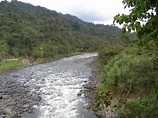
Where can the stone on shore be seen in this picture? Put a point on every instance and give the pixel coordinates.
(15, 99)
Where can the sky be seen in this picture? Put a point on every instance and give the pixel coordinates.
(96, 11)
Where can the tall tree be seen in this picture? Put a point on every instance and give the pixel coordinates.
(143, 18)
(3, 49)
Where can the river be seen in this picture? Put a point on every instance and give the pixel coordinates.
(58, 83)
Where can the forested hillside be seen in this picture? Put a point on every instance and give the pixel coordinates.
(37, 32)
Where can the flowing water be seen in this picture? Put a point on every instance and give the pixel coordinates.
(58, 83)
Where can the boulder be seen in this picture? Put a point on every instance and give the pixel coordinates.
(79, 94)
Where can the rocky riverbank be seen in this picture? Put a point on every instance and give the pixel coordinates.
(15, 98)
(89, 92)
(90, 86)
(89, 89)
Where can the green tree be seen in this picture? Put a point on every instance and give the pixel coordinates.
(143, 18)
(3, 49)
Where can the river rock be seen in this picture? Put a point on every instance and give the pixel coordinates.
(15, 99)
(26, 105)
(2, 90)
(85, 81)
(8, 111)
(1, 96)
(5, 96)
(87, 107)
(79, 94)
(15, 76)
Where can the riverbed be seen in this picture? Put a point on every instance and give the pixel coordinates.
(56, 84)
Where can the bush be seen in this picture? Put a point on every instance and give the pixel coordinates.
(108, 52)
(131, 72)
(134, 80)
(140, 108)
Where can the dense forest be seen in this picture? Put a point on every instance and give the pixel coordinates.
(39, 33)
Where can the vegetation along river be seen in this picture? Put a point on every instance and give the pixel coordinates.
(57, 83)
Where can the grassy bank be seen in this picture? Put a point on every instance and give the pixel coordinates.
(4, 65)
(10, 64)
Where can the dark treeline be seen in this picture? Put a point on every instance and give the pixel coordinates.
(34, 31)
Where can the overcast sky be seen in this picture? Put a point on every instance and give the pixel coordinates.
(96, 11)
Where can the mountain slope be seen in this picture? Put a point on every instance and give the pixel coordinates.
(39, 32)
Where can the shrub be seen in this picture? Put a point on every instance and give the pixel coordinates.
(131, 72)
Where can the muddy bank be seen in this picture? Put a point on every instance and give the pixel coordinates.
(15, 97)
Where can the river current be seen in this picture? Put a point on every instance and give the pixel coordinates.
(58, 83)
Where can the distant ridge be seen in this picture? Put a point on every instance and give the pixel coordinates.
(39, 32)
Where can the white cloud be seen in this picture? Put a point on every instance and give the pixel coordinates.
(97, 11)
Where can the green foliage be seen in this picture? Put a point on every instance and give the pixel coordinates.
(107, 52)
(143, 19)
(131, 50)
(130, 74)
(41, 33)
(142, 108)
(39, 60)
(3, 49)
(9, 64)
(134, 73)
(102, 101)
